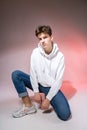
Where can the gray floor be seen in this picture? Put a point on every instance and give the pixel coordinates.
(42, 121)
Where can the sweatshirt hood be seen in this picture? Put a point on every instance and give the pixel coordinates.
(52, 54)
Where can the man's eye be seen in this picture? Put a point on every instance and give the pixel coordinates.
(45, 37)
(39, 38)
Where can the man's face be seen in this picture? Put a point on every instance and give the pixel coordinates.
(46, 42)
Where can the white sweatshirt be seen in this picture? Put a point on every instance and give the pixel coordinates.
(47, 69)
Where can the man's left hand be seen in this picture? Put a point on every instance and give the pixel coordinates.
(45, 104)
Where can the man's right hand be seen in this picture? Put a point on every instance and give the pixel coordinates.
(37, 97)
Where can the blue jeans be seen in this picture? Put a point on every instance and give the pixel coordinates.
(59, 103)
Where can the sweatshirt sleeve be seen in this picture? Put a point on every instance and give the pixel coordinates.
(33, 76)
(55, 86)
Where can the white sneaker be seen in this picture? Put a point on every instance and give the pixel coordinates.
(24, 111)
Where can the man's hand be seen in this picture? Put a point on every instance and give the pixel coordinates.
(37, 97)
(45, 104)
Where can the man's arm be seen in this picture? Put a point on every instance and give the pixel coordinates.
(55, 86)
(33, 76)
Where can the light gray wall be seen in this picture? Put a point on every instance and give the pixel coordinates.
(20, 17)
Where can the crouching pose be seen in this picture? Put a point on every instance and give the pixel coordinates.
(46, 75)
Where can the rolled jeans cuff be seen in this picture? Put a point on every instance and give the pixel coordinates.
(23, 94)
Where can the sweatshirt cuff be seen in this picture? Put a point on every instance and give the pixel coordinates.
(36, 90)
(49, 97)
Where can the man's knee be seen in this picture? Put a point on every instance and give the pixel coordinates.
(15, 74)
(65, 116)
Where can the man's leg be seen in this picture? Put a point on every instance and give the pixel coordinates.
(21, 80)
(59, 103)
(61, 106)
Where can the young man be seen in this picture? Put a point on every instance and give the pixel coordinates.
(46, 74)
